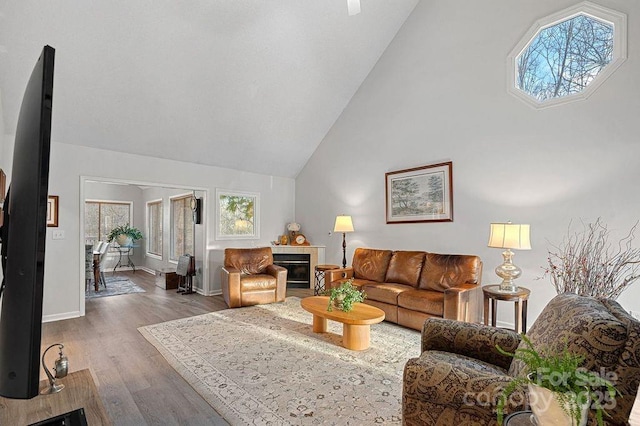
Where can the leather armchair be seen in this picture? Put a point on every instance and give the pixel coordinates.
(459, 375)
(249, 277)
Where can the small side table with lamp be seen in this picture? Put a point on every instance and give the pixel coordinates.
(492, 293)
(508, 236)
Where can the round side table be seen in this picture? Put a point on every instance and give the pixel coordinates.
(493, 293)
(318, 287)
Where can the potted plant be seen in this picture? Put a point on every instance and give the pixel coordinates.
(558, 387)
(124, 235)
(344, 296)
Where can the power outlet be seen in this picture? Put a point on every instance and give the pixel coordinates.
(58, 234)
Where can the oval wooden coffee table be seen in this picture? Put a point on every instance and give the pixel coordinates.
(355, 324)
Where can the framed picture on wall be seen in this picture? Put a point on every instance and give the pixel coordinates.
(52, 211)
(420, 194)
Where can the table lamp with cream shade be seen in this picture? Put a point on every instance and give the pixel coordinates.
(509, 236)
(343, 224)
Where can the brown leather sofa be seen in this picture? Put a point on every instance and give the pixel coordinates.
(460, 373)
(249, 277)
(411, 286)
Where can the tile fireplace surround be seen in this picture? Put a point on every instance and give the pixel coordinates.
(316, 256)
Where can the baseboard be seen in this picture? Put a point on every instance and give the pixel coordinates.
(211, 293)
(62, 316)
(147, 270)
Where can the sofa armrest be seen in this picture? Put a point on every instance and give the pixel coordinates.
(461, 302)
(332, 275)
(231, 287)
(280, 274)
(473, 340)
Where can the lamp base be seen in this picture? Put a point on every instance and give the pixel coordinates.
(53, 388)
(508, 272)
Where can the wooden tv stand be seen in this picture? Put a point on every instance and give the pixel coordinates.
(79, 392)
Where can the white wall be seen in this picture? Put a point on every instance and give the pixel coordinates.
(64, 275)
(439, 93)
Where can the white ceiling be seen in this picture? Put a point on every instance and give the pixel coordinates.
(246, 84)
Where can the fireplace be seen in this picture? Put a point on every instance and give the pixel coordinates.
(298, 268)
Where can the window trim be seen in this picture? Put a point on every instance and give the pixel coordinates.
(619, 55)
(185, 195)
(149, 253)
(256, 215)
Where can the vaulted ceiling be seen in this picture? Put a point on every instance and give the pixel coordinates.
(251, 85)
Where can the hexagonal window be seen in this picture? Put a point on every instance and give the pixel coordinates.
(566, 56)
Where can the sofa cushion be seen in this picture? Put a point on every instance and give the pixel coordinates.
(390, 311)
(425, 301)
(453, 379)
(443, 271)
(405, 267)
(385, 292)
(371, 264)
(359, 283)
(248, 260)
(585, 323)
(258, 282)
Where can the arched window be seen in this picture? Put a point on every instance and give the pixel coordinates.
(566, 56)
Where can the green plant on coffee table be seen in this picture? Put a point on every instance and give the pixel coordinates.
(346, 294)
(127, 230)
(562, 374)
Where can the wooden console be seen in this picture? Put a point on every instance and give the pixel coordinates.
(79, 392)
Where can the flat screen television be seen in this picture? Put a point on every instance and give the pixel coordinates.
(23, 237)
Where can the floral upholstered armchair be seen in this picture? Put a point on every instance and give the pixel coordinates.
(459, 375)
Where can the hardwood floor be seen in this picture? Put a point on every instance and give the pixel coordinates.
(135, 383)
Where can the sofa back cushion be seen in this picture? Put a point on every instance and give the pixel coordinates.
(443, 271)
(371, 264)
(627, 371)
(405, 267)
(248, 260)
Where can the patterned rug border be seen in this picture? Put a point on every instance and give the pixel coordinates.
(327, 344)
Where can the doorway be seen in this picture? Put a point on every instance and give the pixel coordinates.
(161, 212)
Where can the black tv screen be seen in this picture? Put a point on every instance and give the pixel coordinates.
(23, 237)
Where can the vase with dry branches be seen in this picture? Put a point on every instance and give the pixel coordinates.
(586, 263)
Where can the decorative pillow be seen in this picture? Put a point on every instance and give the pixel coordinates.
(248, 261)
(443, 271)
(405, 267)
(371, 264)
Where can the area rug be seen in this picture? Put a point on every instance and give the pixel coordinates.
(263, 365)
(115, 285)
